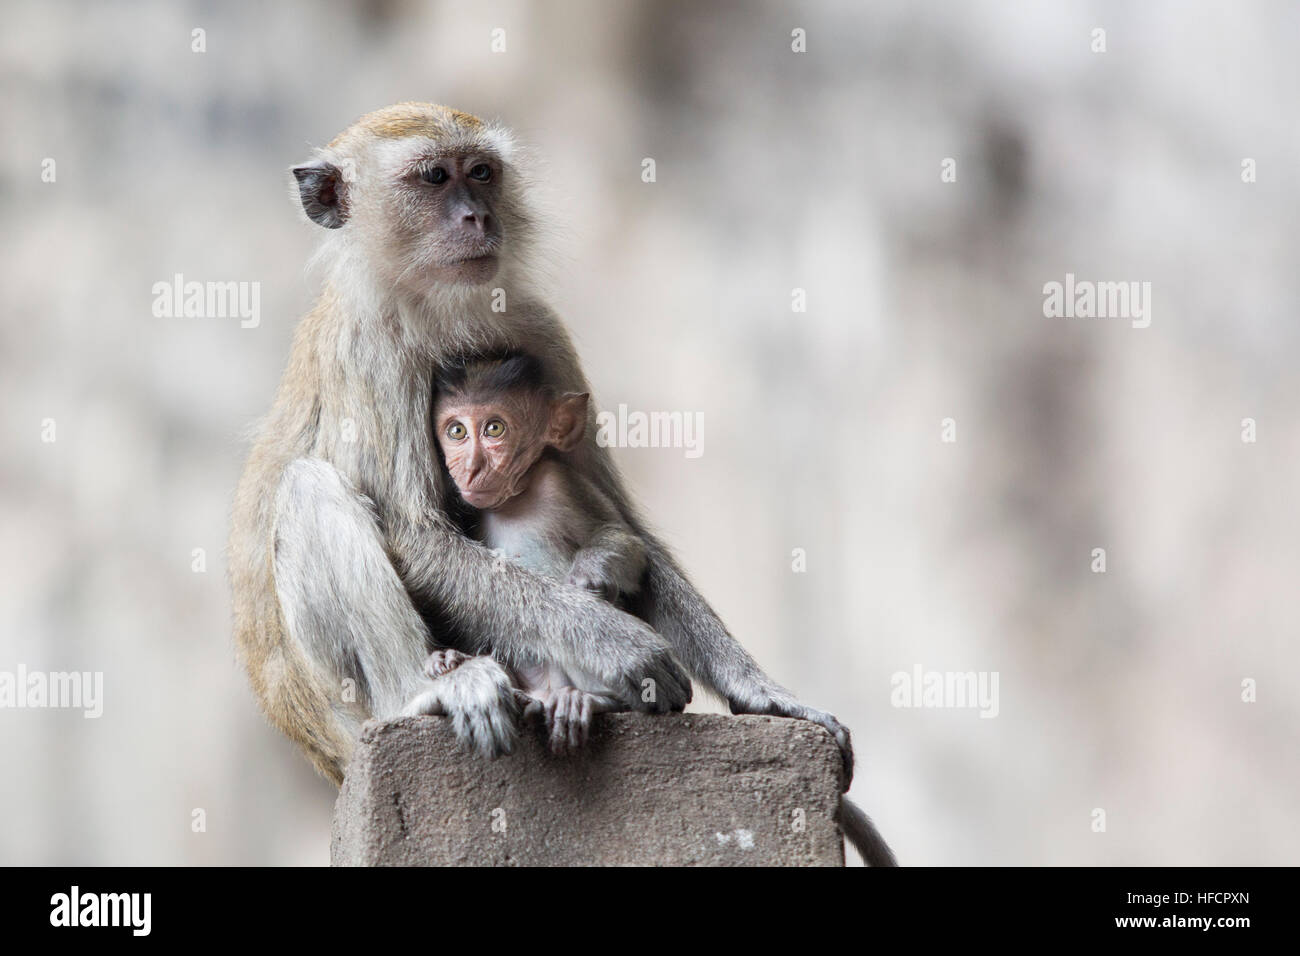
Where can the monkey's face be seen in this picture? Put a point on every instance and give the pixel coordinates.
(421, 193)
(489, 446)
(443, 218)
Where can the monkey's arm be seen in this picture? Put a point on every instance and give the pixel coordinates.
(702, 642)
(612, 559)
(520, 616)
(672, 605)
(669, 601)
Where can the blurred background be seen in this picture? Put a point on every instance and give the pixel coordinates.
(776, 171)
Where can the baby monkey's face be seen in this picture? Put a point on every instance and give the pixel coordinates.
(491, 443)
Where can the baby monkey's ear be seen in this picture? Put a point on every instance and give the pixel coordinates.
(568, 421)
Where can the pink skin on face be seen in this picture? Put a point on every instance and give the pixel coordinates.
(491, 446)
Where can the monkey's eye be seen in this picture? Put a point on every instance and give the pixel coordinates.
(435, 175)
(456, 431)
(495, 428)
(482, 172)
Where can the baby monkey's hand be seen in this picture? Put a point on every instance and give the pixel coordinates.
(588, 581)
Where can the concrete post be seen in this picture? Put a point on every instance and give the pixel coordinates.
(650, 790)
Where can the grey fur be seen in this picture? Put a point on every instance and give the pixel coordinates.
(864, 836)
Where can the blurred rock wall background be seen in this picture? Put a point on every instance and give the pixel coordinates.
(776, 171)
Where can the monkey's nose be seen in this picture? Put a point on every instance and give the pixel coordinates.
(473, 468)
(475, 221)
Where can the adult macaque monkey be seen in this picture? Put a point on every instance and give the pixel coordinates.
(346, 566)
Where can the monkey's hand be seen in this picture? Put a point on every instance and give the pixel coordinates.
(442, 660)
(605, 589)
(610, 564)
(624, 654)
(481, 701)
(784, 705)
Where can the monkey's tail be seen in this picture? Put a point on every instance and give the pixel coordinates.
(864, 836)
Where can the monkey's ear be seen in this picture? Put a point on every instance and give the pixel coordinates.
(320, 187)
(568, 421)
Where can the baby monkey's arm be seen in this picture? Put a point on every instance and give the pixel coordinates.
(612, 559)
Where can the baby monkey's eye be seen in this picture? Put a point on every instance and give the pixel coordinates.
(434, 174)
(456, 431)
(495, 428)
(482, 172)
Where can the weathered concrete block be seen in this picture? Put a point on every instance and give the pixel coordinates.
(669, 790)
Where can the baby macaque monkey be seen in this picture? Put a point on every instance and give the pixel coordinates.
(502, 430)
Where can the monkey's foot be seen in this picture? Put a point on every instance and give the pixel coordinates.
(789, 707)
(839, 732)
(567, 713)
(442, 660)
